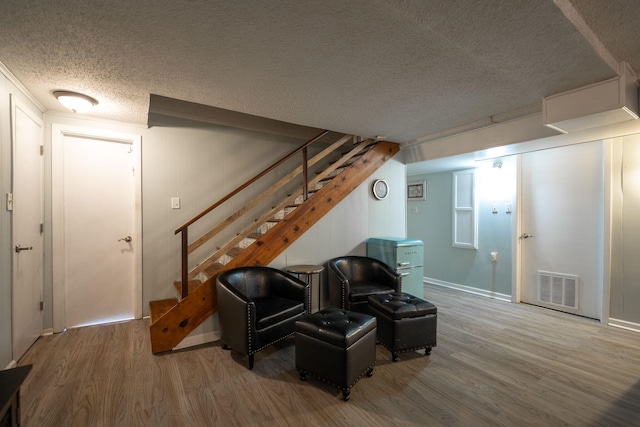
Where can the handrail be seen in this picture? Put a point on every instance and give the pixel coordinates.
(184, 228)
(202, 266)
(249, 182)
(275, 187)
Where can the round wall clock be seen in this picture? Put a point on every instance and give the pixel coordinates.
(380, 189)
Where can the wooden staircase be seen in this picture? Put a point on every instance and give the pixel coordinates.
(173, 319)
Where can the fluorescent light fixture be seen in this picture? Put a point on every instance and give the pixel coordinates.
(77, 102)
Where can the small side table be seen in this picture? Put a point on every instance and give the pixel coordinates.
(308, 270)
(10, 382)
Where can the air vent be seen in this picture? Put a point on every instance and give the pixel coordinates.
(558, 289)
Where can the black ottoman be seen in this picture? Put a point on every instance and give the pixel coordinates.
(336, 346)
(405, 323)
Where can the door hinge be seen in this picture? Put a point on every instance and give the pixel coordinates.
(42, 150)
(41, 228)
(41, 305)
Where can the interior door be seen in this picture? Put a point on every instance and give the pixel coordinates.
(96, 269)
(28, 258)
(562, 221)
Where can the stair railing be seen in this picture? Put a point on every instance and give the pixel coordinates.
(184, 228)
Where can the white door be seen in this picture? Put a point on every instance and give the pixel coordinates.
(561, 243)
(28, 258)
(96, 270)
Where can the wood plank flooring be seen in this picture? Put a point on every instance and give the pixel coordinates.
(496, 364)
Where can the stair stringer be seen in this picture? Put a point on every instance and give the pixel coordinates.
(173, 326)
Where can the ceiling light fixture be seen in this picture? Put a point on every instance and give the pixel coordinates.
(77, 102)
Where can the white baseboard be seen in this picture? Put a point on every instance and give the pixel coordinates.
(469, 289)
(623, 324)
(11, 364)
(194, 340)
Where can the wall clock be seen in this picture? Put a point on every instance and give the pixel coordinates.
(380, 189)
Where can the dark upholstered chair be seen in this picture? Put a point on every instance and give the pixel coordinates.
(352, 279)
(258, 306)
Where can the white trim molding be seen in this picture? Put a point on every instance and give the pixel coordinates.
(469, 289)
(13, 79)
(623, 324)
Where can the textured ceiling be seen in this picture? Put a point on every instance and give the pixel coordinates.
(399, 68)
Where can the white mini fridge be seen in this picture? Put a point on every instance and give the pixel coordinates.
(406, 256)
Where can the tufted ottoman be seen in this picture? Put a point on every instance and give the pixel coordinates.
(336, 346)
(405, 323)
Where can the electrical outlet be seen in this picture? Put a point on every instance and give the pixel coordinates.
(494, 256)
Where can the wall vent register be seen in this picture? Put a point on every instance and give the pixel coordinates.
(558, 289)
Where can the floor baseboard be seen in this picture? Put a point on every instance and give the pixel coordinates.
(194, 340)
(469, 289)
(630, 326)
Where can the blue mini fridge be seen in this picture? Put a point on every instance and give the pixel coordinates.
(406, 256)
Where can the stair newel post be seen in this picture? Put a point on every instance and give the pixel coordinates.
(305, 175)
(185, 263)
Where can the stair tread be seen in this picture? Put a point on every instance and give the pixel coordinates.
(193, 285)
(234, 252)
(159, 307)
(212, 269)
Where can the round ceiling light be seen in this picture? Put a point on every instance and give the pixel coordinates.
(77, 102)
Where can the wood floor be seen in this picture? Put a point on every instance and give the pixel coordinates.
(496, 364)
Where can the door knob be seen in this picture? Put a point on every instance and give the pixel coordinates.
(20, 249)
(526, 235)
(127, 239)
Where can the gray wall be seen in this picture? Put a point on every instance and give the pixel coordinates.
(197, 165)
(188, 163)
(201, 165)
(433, 225)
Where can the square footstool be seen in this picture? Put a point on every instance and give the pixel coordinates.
(405, 322)
(336, 346)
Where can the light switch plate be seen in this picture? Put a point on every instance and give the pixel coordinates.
(175, 203)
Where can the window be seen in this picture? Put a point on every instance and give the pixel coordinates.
(465, 215)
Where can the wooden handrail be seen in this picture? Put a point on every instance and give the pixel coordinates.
(202, 266)
(198, 242)
(184, 228)
(249, 182)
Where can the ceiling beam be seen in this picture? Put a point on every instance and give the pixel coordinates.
(570, 12)
(164, 111)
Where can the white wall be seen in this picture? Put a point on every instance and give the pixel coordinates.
(200, 165)
(622, 297)
(7, 89)
(625, 281)
(344, 230)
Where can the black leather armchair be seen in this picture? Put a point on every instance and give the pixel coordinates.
(352, 279)
(258, 306)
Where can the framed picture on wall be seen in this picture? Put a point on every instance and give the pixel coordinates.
(416, 191)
